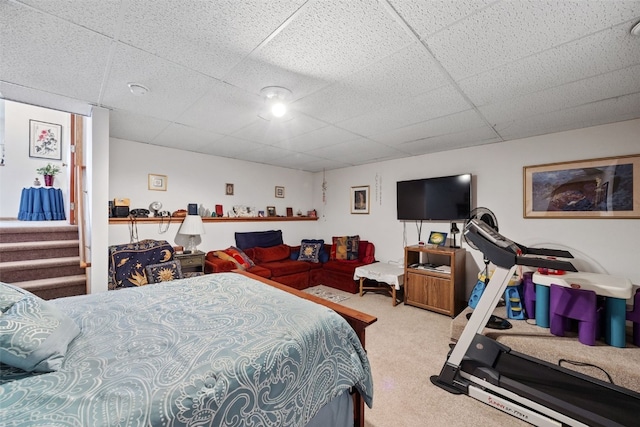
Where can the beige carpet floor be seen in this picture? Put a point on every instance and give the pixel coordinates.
(405, 347)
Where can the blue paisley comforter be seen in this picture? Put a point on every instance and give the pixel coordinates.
(214, 350)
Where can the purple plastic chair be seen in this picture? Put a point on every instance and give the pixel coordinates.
(529, 290)
(566, 304)
(634, 316)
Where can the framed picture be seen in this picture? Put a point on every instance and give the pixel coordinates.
(597, 188)
(437, 238)
(45, 140)
(289, 211)
(228, 189)
(157, 182)
(360, 199)
(280, 192)
(271, 211)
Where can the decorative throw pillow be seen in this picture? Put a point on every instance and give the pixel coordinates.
(345, 248)
(310, 251)
(164, 272)
(237, 256)
(34, 334)
(226, 257)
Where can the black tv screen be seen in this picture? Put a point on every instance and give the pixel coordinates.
(445, 198)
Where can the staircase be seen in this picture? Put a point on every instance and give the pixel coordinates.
(44, 260)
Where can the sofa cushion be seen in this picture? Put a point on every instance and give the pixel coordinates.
(274, 253)
(366, 252)
(345, 248)
(263, 239)
(347, 267)
(286, 267)
(164, 271)
(310, 251)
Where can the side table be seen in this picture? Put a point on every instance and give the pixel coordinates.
(193, 262)
(391, 276)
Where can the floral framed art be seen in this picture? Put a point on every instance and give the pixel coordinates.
(45, 140)
(595, 188)
(157, 182)
(360, 199)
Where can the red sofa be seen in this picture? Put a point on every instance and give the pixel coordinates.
(280, 263)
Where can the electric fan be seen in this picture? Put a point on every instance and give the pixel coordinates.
(155, 208)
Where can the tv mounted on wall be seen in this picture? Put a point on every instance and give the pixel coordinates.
(445, 198)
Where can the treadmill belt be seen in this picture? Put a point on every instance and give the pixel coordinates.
(590, 399)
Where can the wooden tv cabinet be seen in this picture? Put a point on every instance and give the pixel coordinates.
(434, 278)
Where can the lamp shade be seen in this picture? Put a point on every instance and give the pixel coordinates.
(192, 226)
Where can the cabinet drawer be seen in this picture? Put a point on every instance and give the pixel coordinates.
(191, 261)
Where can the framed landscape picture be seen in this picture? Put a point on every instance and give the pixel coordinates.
(45, 140)
(596, 188)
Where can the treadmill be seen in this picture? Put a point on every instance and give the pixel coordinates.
(525, 387)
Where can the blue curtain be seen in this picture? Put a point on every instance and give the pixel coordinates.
(41, 204)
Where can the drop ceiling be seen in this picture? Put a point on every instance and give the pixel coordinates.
(370, 80)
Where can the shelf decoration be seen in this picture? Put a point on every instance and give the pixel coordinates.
(437, 238)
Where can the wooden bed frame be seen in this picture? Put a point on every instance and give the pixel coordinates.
(357, 319)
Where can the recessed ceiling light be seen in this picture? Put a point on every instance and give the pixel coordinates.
(635, 31)
(137, 89)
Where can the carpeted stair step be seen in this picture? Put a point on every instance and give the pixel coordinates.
(21, 251)
(29, 234)
(21, 271)
(56, 287)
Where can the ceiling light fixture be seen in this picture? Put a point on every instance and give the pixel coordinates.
(137, 89)
(635, 31)
(276, 100)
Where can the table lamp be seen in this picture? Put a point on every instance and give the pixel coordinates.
(192, 227)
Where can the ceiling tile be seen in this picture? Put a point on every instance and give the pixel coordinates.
(509, 30)
(210, 37)
(427, 17)
(584, 91)
(405, 73)
(451, 141)
(172, 88)
(135, 127)
(40, 59)
(589, 56)
(185, 137)
(230, 147)
(270, 132)
(357, 151)
(101, 16)
(223, 109)
(454, 123)
(327, 135)
(592, 114)
(320, 40)
(437, 103)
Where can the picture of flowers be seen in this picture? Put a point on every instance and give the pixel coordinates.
(45, 140)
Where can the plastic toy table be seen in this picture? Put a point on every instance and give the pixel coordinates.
(388, 274)
(616, 290)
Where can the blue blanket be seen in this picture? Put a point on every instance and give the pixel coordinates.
(214, 350)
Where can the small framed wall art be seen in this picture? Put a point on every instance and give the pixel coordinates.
(437, 238)
(271, 211)
(228, 189)
(360, 199)
(45, 140)
(280, 192)
(157, 182)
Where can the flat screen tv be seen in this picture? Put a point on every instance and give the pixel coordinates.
(445, 198)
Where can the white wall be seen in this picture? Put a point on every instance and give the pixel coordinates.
(198, 178)
(20, 170)
(602, 245)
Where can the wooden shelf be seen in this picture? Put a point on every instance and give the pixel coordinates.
(214, 219)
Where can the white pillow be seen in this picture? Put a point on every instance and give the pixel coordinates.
(34, 334)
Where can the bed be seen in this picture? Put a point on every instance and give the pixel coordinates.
(224, 349)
